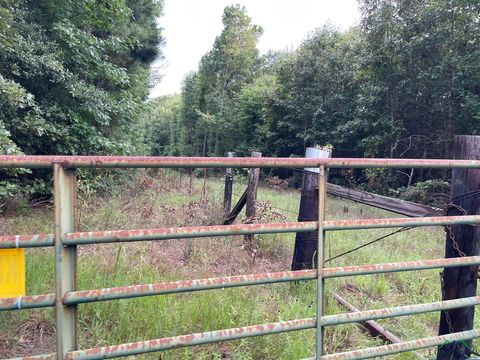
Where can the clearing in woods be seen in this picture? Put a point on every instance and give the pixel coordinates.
(165, 198)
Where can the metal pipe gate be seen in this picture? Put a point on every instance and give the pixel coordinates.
(65, 241)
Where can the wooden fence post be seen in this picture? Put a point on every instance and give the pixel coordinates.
(304, 254)
(227, 194)
(460, 282)
(253, 178)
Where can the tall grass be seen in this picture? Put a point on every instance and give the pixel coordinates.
(164, 198)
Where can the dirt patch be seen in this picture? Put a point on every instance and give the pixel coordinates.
(32, 336)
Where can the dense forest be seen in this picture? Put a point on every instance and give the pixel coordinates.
(75, 78)
(401, 84)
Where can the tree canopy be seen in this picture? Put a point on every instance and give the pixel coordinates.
(401, 84)
(75, 74)
(208, 94)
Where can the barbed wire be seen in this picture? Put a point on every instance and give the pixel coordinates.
(369, 243)
(445, 209)
(432, 212)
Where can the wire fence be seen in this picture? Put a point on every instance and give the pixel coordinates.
(66, 240)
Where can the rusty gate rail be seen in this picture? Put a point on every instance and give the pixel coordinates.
(98, 237)
(65, 240)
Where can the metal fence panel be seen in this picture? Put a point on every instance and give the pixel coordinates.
(65, 241)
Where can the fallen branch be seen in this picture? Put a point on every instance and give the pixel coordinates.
(374, 328)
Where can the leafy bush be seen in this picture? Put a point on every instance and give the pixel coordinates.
(74, 80)
(430, 192)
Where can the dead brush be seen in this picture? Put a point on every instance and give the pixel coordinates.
(156, 199)
(264, 213)
(35, 334)
(196, 213)
(276, 183)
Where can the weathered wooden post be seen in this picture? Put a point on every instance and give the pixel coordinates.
(461, 240)
(253, 178)
(227, 194)
(304, 254)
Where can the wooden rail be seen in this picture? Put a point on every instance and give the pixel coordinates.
(398, 206)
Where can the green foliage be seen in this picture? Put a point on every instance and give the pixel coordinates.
(164, 133)
(205, 125)
(402, 84)
(75, 75)
(316, 95)
(376, 181)
(429, 192)
(7, 146)
(251, 116)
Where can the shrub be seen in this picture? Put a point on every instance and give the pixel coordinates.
(429, 192)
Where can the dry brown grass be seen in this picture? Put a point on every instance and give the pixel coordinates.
(32, 336)
(163, 199)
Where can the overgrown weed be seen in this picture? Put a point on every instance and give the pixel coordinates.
(165, 198)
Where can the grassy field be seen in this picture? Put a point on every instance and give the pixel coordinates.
(165, 198)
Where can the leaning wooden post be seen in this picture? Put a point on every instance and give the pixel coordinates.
(461, 240)
(227, 194)
(306, 242)
(253, 178)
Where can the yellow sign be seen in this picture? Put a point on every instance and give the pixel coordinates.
(12, 272)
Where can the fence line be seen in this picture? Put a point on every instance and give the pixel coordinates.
(65, 241)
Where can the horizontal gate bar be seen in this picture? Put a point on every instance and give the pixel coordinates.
(385, 350)
(142, 347)
(400, 222)
(339, 318)
(244, 229)
(84, 296)
(94, 237)
(27, 302)
(26, 241)
(355, 270)
(405, 310)
(31, 161)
